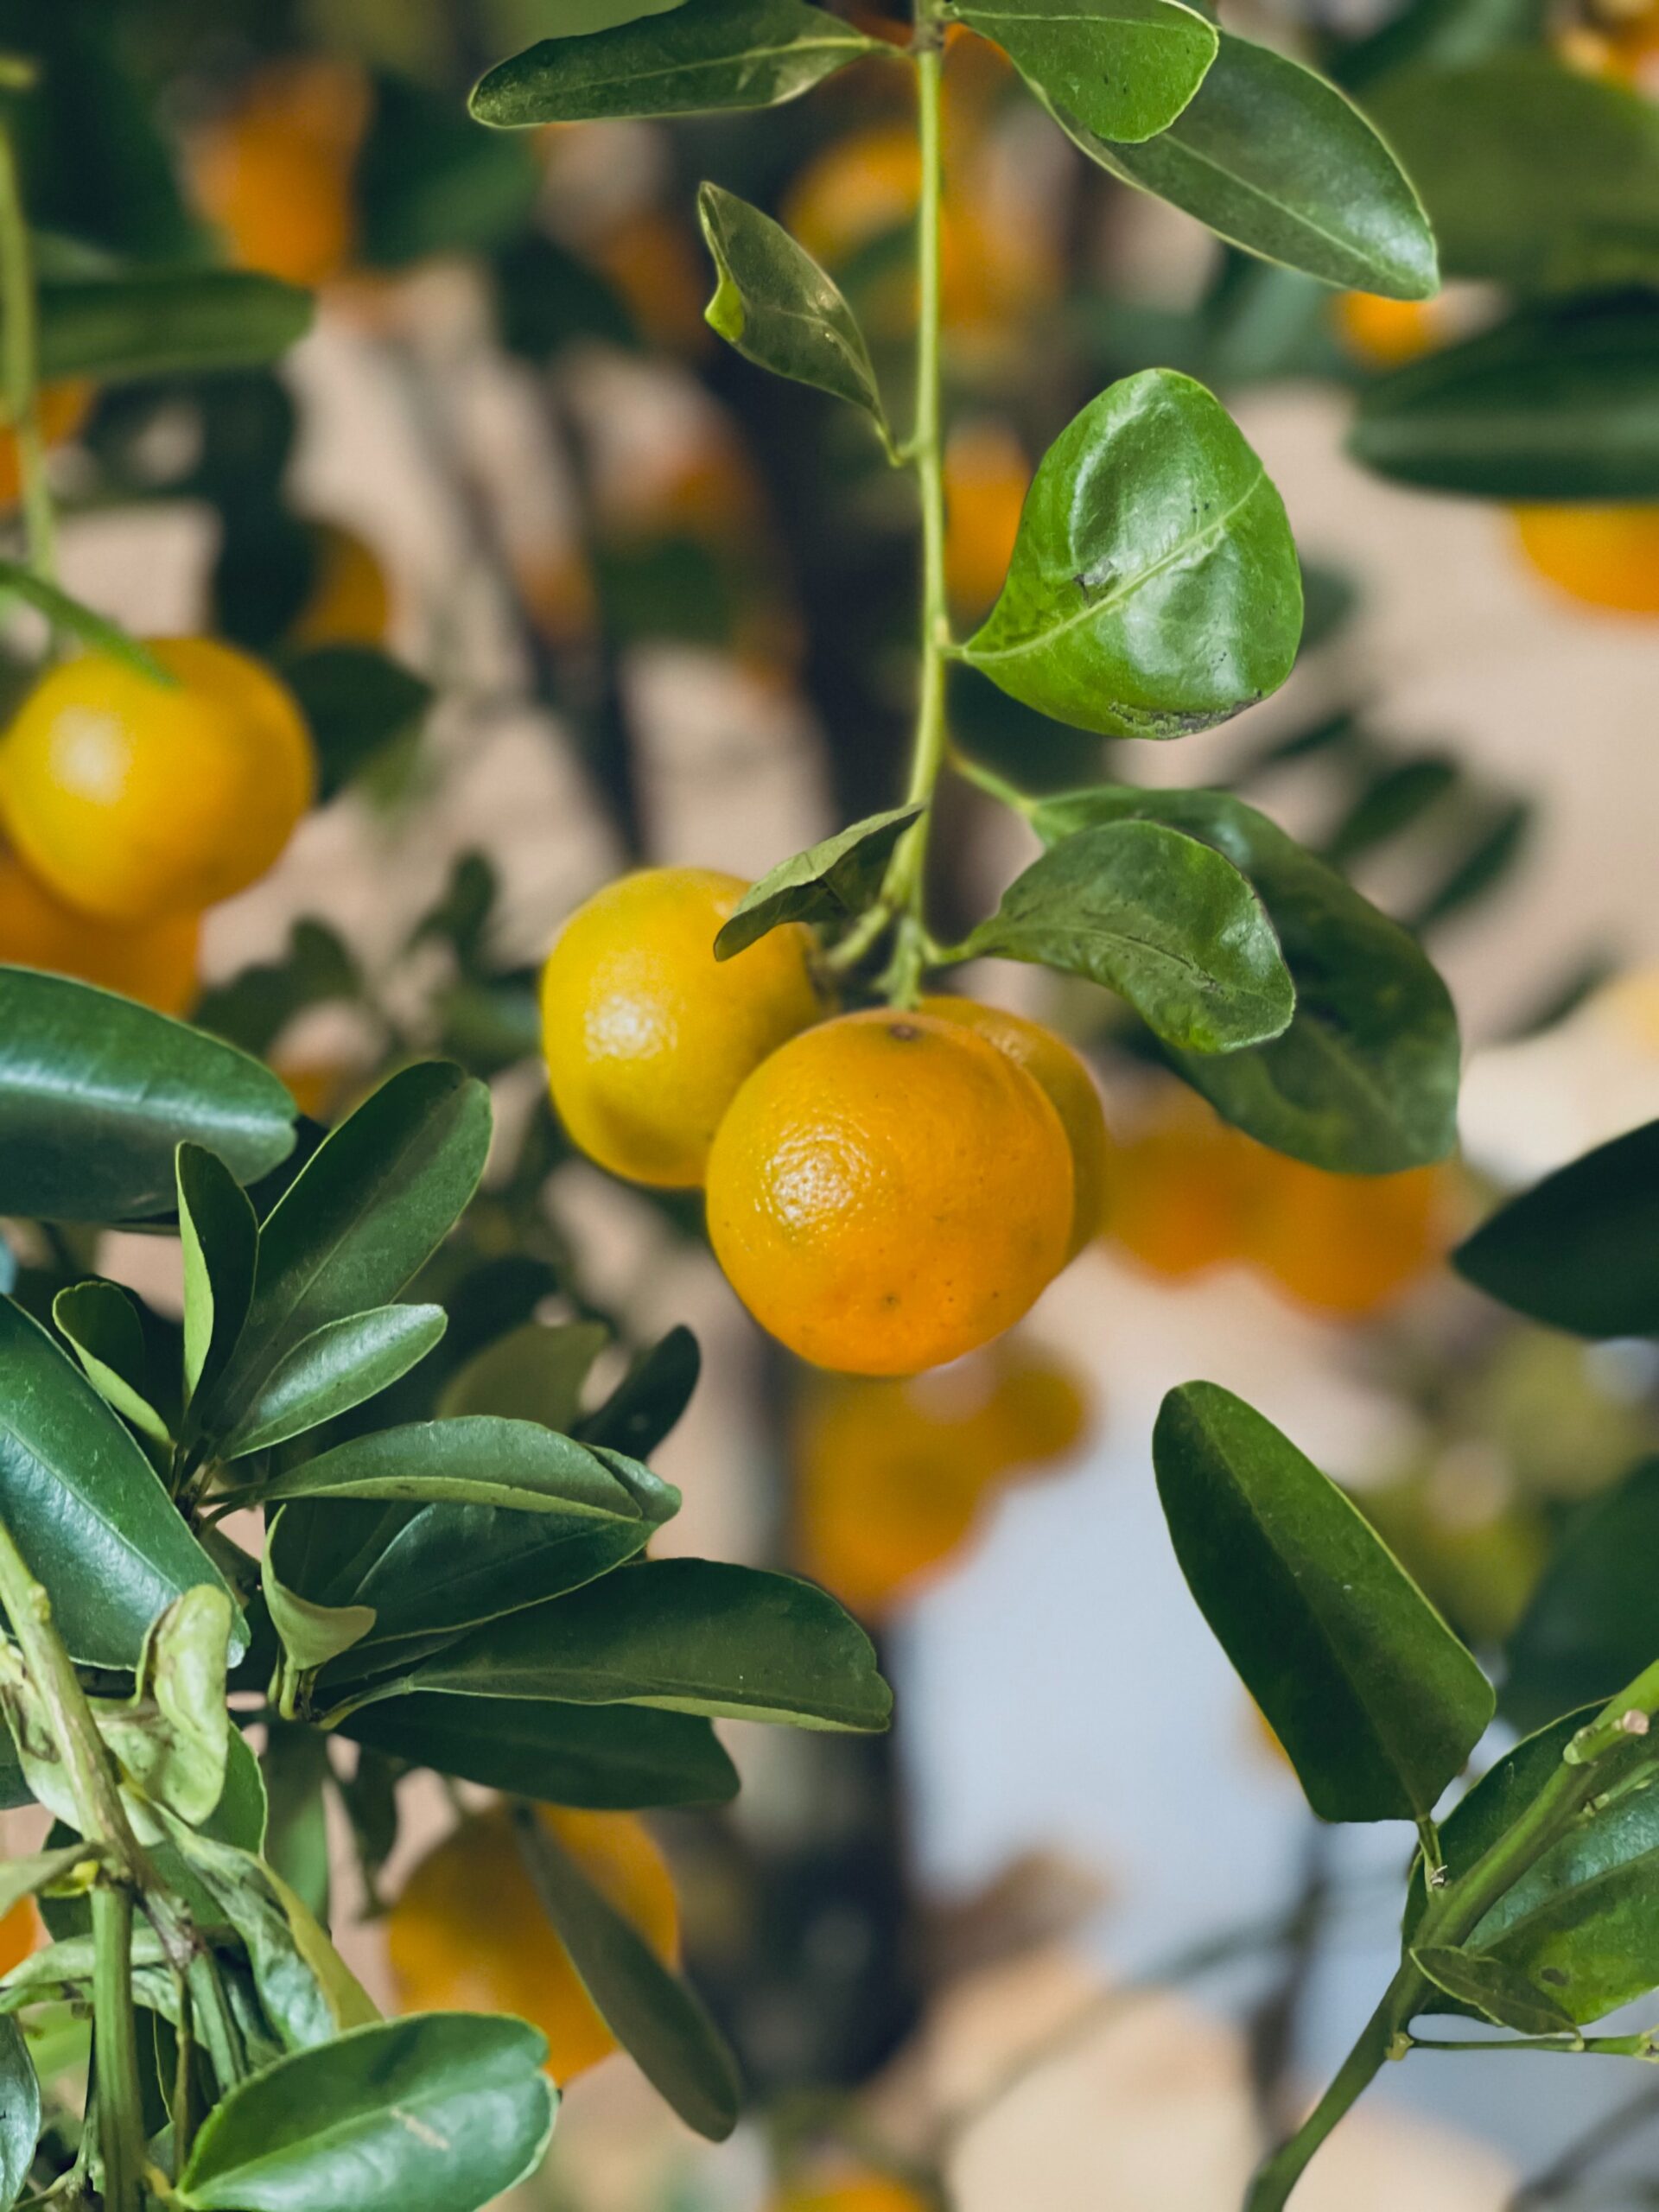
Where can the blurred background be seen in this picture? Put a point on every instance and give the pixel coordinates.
(583, 589)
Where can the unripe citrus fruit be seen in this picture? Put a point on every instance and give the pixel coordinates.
(1606, 556)
(647, 1035)
(153, 962)
(469, 1933)
(350, 600)
(1070, 1090)
(133, 799)
(889, 1190)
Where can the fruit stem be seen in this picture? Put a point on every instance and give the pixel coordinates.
(19, 364)
(902, 892)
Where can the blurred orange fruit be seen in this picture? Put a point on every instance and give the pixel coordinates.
(350, 600)
(274, 174)
(987, 476)
(469, 1933)
(152, 962)
(1181, 1190)
(1346, 1244)
(654, 262)
(20, 1933)
(864, 2192)
(1385, 333)
(63, 408)
(1606, 556)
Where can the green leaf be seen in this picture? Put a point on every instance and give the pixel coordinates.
(533, 1373)
(107, 1338)
(1166, 922)
(20, 2114)
(1364, 1081)
(1274, 159)
(356, 702)
(27, 1877)
(335, 1368)
(256, 1004)
(1592, 1624)
(1125, 68)
(654, 2014)
(1581, 1249)
(311, 1635)
(777, 309)
(1535, 176)
(647, 1403)
(126, 328)
(369, 1207)
(609, 1758)
(1154, 588)
(832, 882)
(294, 1765)
(1376, 1703)
(1442, 31)
(720, 54)
(87, 1508)
(221, 1242)
(90, 628)
(427, 181)
(1546, 406)
(96, 1093)
(1498, 1992)
(686, 1635)
(474, 1459)
(437, 2113)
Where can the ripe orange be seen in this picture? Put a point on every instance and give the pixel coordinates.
(153, 962)
(1606, 556)
(469, 1933)
(1385, 333)
(20, 1933)
(133, 799)
(350, 600)
(889, 1190)
(1071, 1091)
(63, 408)
(986, 477)
(647, 1035)
(274, 175)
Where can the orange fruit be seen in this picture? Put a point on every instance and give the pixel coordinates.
(153, 962)
(132, 799)
(350, 600)
(63, 408)
(1070, 1090)
(274, 175)
(647, 1035)
(1606, 556)
(861, 2192)
(20, 1933)
(654, 264)
(1346, 1244)
(469, 1933)
(986, 477)
(1183, 1188)
(1385, 333)
(855, 191)
(889, 1190)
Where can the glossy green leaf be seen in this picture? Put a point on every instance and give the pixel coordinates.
(96, 1093)
(1274, 159)
(1581, 1249)
(87, 1508)
(687, 1635)
(776, 307)
(1592, 1622)
(533, 1373)
(1166, 921)
(1497, 1990)
(1546, 406)
(220, 1240)
(128, 327)
(474, 1460)
(832, 882)
(719, 54)
(372, 1203)
(1535, 176)
(654, 2014)
(647, 1403)
(356, 702)
(102, 1325)
(1364, 1081)
(437, 2113)
(20, 2114)
(1154, 588)
(296, 1768)
(1125, 68)
(1376, 1703)
(335, 1368)
(310, 1634)
(83, 623)
(609, 1757)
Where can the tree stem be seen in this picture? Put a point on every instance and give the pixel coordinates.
(19, 378)
(114, 2051)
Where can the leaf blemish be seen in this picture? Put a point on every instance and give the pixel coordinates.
(420, 2131)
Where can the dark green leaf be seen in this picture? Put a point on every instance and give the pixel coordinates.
(1535, 176)
(1166, 922)
(1442, 31)
(96, 1093)
(1499, 842)
(1546, 406)
(86, 1506)
(611, 1758)
(1276, 160)
(20, 2113)
(1395, 798)
(1154, 588)
(832, 882)
(356, 702)
(102, 1325)
(1581, 1249)
(779, 310)
(125, 328)
(474, 1459)
(220, 1242)
(1594, 1620)
(534, 1373)
(548, 298)
(656, 2016)
(335, 1368)
(296, 1767)
(1125, 68)
(1376, 1703)
(720, 54)
(1364, 1081)
(373, 1202)
(310, 1634)
(648, 1402)
(437, 2113)
(428, 181)
(687, 1634)
(1498, 1992)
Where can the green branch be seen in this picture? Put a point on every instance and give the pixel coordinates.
(19, 378)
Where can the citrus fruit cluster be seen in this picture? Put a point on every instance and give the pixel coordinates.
(887, 1189)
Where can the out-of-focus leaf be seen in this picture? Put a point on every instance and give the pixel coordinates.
(356, 702)
(1592, 1622)
(1581, 1249)
(533, 1374)
(128, 328)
